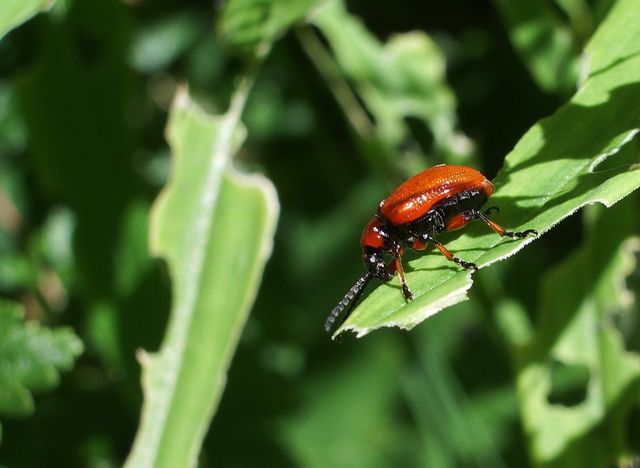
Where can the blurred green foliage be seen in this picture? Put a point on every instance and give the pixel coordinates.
(31, 357)
(539, 367)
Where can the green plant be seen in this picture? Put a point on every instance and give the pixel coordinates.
(316, 96)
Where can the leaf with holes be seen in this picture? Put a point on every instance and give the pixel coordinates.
(583, 304)
(214, 226)
(554, 170)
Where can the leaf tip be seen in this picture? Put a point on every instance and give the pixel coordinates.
(143, 357)
(358, 331)
(181, 99)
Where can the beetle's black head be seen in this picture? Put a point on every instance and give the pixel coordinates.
(374, 261)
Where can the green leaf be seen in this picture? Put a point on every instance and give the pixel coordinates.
(246, 23)
(214, 226)
(31, 358)
(15, 12)
(582, 304)
(398, 81)
(63, 129)
(551, 173)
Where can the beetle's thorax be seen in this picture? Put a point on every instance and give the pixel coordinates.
(378, 238)
(376, 234)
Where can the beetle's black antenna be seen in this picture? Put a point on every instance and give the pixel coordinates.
(348, 301)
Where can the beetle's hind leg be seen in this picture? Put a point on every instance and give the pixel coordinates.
(449, 255)
(477, 214)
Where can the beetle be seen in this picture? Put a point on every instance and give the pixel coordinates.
(439, 199)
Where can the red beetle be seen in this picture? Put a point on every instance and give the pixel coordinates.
(438, 199)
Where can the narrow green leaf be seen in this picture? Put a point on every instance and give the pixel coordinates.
(63, 128)
(214, 226)
(15, 12)
(31, 358)
(551, 173)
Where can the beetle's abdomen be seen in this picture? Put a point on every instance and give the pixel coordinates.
(415, 197)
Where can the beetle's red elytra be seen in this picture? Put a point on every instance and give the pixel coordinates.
(439, 199)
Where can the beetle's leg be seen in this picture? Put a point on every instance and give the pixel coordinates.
(499, 229)
(396, 266)
(406, 292)
(447, 253)
(453, 258)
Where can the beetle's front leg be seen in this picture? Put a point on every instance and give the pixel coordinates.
(396, 266)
